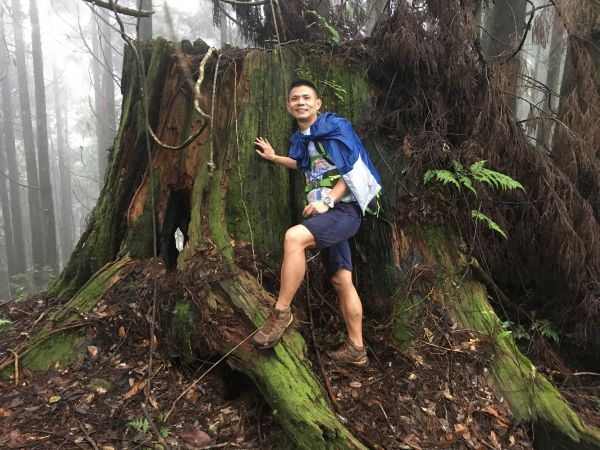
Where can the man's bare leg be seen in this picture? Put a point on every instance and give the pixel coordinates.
(297, 240)
(349, 304)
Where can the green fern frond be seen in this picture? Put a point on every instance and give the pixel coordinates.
(140, 425)
(478, 215)
(441, 175)
(492, 178)
(466, 182)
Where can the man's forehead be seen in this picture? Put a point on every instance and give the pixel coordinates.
(302, 90)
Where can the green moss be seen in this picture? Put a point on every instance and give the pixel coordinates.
(182, 330)
(58, 350)
(405, 310)
(99, 383)
(65, 347)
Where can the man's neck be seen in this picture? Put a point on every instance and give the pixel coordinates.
(305, 124)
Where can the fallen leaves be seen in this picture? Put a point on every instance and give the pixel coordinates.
(196, 437)
(136, 389)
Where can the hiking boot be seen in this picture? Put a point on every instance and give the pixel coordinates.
(271, 331)
(350, 354)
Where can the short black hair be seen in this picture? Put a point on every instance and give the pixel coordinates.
(302, 82)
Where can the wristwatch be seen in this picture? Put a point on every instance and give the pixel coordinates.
(328, 201)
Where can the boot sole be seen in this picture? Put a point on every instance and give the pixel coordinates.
(273, 344)
(363, 362)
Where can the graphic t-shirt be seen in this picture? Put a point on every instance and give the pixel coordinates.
(319, 167)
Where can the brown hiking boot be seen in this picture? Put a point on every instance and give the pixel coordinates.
(350, 354)
(271, 331)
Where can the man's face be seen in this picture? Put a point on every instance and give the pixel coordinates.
(303, 104)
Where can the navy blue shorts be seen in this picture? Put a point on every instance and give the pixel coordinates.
(332, 231)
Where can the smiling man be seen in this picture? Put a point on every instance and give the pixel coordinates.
(340, 184)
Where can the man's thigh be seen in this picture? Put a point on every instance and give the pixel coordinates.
(335, 226)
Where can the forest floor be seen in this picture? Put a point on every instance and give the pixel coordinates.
(433, 396)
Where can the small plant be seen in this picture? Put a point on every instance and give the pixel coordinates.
(338, 91)
(546, 329)
(461, 177)
(334, 35)
(5, 324)
(141, 425)
(543, 327)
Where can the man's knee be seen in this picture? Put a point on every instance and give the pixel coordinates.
(341, 280)
(298, 237)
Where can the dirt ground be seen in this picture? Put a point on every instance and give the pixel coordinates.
(432, 396)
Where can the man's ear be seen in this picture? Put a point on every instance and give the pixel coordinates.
(319, 103)
(288, 107)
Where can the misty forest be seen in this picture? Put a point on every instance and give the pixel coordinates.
(141, 235)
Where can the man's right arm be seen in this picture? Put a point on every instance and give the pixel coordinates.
(267, 152)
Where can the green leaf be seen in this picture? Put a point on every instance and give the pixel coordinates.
(140, 425)
(466, 182)
(504, 334)
(5, 324)
(443, 176)
(478, 215)
(335, 36)
(350, 11)
(54, 399)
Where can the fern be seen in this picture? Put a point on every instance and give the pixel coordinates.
(492, 178)
(546, 329)
(441, 175)
(478, 215)
(140, 425)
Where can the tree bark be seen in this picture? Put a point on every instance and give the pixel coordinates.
(33, 184)
(48, 220)
(144, 24)
(6, 227)
(19, 262)
(66, 228)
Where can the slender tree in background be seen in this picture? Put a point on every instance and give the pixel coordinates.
(109, 119)
(504, 26)
(554, 74)
(6, 226)
(96, 71)
(48, 220)
(33, 189)
(104, 90)
(144, 24)
(19, 262)
(66, 233)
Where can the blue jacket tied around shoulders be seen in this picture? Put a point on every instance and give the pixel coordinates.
(346, 151)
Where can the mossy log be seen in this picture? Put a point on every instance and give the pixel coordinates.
(223, 197)
(530, 395)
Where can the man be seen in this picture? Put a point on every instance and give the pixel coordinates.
(341, 182)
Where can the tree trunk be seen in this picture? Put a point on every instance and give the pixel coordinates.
(97, 70)
(6, 227)
(48, 220)
(33, 185)
(66, 231)
(505, 25)
(144, 24)
(555, 69)
(19, 262)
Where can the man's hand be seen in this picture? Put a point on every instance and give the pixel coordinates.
(314, 208)
(266, 151)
